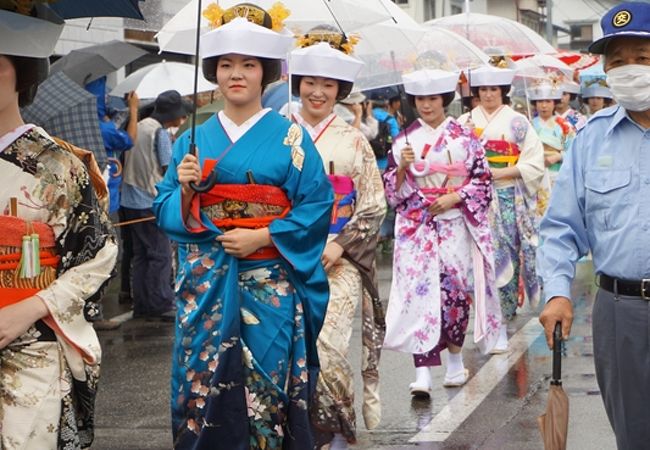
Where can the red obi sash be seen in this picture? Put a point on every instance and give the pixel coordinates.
(501, 153)
(13, 288)
(246, 193)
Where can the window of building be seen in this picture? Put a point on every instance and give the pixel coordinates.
(401, 2)
(455, 9)
(582, 32)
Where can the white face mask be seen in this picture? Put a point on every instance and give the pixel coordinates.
(630, 85)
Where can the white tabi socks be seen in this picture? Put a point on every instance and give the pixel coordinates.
(456, 374)
(339, 442)
(502, 342)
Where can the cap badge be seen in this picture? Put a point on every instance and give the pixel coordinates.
(622, 18)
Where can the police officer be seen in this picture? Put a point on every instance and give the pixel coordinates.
(602, 203)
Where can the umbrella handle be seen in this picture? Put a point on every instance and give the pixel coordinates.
(208, 183)
(557, 355)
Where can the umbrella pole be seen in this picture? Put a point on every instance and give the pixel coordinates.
(402, 94)
(557, 355)
(290, 86)
(209, 183)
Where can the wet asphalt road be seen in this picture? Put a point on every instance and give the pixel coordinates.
(497, 409)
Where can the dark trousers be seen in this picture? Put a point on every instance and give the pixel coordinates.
(621, 333)
(151, 266)
(127, 254)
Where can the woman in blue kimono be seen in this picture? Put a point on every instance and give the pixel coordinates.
(251, 289)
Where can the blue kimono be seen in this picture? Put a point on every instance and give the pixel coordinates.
(245, 329)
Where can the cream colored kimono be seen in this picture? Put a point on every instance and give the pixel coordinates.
(343, 148)
(513, 209)
(48, 379)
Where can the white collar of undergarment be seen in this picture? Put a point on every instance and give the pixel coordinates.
(316, 130)
(428, 128)
(9, 138)
(234, 131)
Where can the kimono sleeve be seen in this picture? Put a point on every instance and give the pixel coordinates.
(301, 235)
(370, 207)
(86, 244)
(477, 194)
(531, 159)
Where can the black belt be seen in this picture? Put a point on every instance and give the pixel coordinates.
(630, 288)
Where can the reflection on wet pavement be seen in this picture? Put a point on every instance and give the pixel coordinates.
(505, 392)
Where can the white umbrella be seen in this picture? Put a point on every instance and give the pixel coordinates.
(154, 79)
(179, 34)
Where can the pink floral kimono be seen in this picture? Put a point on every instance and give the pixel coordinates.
(442, 263)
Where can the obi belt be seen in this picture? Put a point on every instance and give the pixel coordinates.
(250, 206)
(345, 197)
(431, 194)
(25, 243)
(501, 153)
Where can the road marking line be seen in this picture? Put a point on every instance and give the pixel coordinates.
(479, 387)
(123, 317)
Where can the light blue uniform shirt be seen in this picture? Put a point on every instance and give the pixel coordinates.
(600, 202)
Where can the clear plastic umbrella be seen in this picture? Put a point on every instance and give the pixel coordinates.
(179, 34)
(547, 63)
(152, 80)
(401, 45)
(495, 35)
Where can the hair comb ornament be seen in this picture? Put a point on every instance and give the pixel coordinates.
(217, 16)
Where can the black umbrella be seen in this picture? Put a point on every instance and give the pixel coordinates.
(71, 9)
(90, 63)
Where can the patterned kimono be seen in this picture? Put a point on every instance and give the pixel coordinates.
(576, 119)
(48, 376)
(509, 139)
(441, 263)
(556, 135)
(244, 360)
(359, 209)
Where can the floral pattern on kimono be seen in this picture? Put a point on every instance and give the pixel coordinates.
(52, 186)
(506, 124)
(576, 119)
(353, 279)
(419, 316)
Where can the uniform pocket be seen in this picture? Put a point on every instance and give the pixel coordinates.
(607, 190)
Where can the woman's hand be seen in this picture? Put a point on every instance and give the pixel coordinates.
(444, 203)
(331, 255)
(552, 158)
(189, 171)
(406, 158)
(357, 110)
(16, 319)
(241, 242)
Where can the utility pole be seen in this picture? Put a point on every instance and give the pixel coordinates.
(549, 21)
